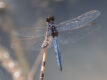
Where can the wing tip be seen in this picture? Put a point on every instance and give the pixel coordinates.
(96, 11)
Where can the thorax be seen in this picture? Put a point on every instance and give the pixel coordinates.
(52, 29)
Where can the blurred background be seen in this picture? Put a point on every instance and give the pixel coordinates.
(84, 60)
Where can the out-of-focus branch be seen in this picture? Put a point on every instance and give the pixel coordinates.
(33, 71)
(15, 71)
(17, 49)
(10, 65)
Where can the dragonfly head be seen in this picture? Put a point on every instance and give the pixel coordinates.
(50, 19)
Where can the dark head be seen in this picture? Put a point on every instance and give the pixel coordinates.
(50, 18)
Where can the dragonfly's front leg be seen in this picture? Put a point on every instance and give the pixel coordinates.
(45, 44)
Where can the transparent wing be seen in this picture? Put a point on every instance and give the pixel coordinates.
(79, 21)
(29, 32)
(78, 34)
(31, 38)
(31, 44)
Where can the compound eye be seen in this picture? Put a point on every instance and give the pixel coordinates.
(51, 18)
(47, 20)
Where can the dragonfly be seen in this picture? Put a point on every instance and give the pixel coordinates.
(61, 33)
